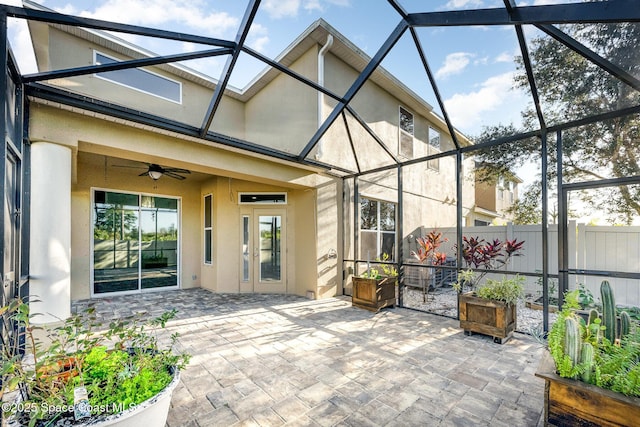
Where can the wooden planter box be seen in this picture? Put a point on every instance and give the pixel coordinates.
(374, 294)
(488, 317)
(570, 402)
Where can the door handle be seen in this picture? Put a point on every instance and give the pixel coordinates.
(255, 252)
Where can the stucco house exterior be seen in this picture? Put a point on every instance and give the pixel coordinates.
(232, 220)
(492, 201)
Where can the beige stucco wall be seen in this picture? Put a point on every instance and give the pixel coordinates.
(283, 114)
(93, 140)
(67, 51)
(92, 175)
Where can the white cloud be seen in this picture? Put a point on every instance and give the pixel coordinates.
(495, 97)
(454, 64)
(289, 8)
(504, 57)
(281, 8)
(258, 37)
(463, 4)
(156, 13)
(20, 41)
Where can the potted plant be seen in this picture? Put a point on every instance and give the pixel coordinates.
(78, 374)
(375, 288)
(591, 371)
(489, 308)
(492, 308)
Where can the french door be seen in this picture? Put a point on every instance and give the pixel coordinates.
(263, 255)
(135, 242)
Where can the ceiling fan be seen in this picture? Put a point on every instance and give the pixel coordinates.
(155, 171)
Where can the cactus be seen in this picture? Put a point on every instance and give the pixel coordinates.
(625, 324)
(593, 315)
(587, 359)
(572, 340)
(608, 311)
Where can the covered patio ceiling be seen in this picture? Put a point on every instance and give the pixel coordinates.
(512, 13)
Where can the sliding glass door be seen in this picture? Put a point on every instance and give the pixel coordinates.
(135, 242)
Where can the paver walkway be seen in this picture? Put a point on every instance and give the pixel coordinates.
(271, 360)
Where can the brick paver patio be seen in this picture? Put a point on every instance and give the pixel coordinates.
(271, 360)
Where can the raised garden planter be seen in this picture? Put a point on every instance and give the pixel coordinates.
(570, 402)
(488, 317)
(374, 294)
(538, 305)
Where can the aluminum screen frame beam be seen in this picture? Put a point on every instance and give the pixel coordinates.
(76, 21)
(243, 31)
(573, 13)
(356, 86)
(123, 65)
(611, 68)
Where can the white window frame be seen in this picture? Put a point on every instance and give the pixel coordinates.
(207, 228)
(434, 164)
(102, 77)
(378, 230)
(402, 132)
(91, 256)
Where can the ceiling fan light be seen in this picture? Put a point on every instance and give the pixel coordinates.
(155, 174)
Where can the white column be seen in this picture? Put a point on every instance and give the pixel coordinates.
(50, 240)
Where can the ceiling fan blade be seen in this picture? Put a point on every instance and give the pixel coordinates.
(177, 170)
(173, 175)
(144, 173)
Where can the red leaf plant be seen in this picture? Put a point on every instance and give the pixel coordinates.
(493, 255)
(427, 252)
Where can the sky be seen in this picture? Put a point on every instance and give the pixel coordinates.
(473, 67)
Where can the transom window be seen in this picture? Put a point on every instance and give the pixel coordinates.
(406, 133)
(140, 80)
(263, 198)
(377, 229)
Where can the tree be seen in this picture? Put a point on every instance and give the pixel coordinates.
(571, 88)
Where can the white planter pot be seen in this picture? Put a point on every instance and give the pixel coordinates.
(152, 412)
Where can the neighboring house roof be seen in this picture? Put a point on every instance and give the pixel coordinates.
(315, 34)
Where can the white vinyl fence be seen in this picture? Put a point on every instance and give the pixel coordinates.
(611, 248)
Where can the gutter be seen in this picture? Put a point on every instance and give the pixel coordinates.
(321, 55)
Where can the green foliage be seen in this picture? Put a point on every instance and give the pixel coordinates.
(509, 290)
(585, 297)
(371, 273)
(570, 87)
(607, 363)
(465, 277)
(120, 366)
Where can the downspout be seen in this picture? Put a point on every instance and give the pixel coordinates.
(321, 55)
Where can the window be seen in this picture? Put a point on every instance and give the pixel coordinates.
(141, 80)
(135, 242)
(406, 133)
(263, 198)
(377, 229)
(208, 229)
(434, 148)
